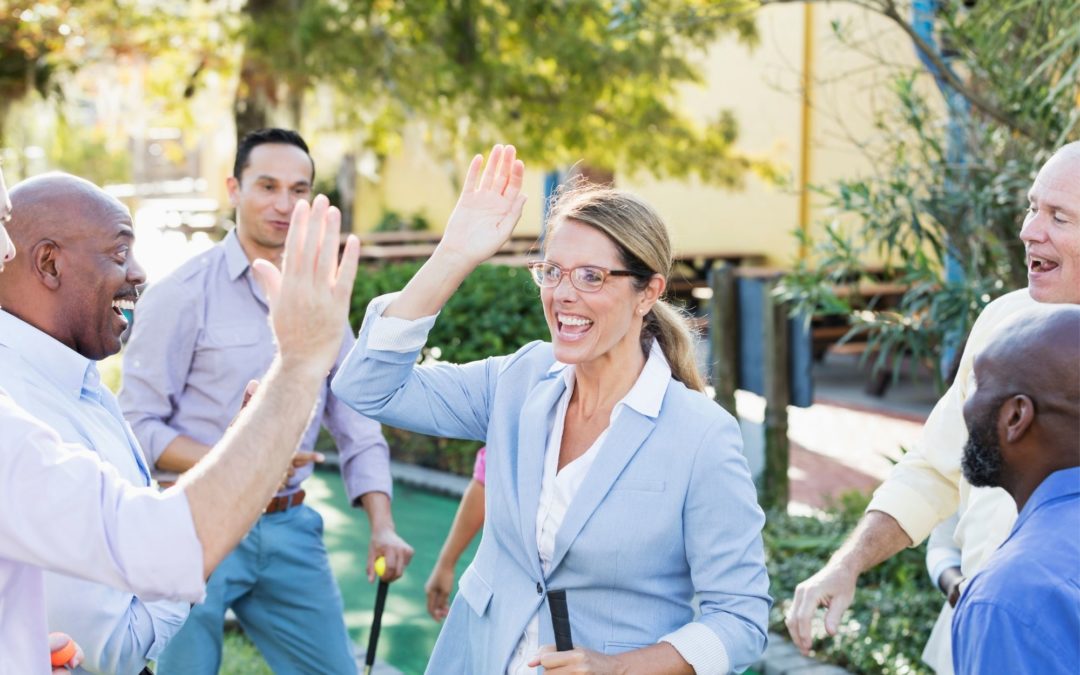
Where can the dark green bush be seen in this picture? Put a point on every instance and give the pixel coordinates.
(392, 221)
(496, 311)
(895, 605)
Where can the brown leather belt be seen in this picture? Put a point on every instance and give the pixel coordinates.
(285, 503)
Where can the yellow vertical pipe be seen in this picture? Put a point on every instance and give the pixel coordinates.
(807, 115)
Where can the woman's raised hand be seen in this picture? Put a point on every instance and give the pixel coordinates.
(488, 208)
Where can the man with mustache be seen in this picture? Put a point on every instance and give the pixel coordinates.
(62, 298)
(200, 335)
(926, 487)
(1021, 612)
(64, 509)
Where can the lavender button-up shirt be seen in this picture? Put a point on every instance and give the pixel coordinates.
(200, 335)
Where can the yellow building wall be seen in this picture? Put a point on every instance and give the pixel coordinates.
(763, 87)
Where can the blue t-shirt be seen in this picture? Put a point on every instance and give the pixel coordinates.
(1021, 613)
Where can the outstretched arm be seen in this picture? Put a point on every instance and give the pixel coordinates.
(149, 542)
(875, 539)
(483, 220)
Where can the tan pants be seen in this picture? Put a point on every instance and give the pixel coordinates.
(938, 651)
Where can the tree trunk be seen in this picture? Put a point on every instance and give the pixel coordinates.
(257, 95)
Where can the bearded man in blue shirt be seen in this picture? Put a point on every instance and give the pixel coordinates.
(1021, 613)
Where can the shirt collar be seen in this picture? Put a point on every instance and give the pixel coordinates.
(1058, 484)
(647, 394)
(54, 360)
(236, 261)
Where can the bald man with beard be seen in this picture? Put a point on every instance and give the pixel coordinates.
(1021, 612)
(62, 298)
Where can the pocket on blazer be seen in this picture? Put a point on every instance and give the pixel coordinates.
(475, 590)
(620, 647)
(638, 485)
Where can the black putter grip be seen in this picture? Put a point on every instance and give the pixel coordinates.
(376, 624)
(560, 620)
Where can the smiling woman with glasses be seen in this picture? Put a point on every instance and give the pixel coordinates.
(610, 474)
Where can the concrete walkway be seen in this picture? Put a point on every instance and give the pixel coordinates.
(847, 440)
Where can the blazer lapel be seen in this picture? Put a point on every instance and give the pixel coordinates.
(626, 436)
(533, 425)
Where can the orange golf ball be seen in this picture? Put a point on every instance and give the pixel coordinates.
(63, 655)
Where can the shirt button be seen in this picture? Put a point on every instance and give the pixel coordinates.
(539, 589)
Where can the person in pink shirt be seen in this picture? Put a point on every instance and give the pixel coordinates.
(467, 522)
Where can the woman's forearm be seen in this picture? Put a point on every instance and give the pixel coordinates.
(483, 219)
(431, 287)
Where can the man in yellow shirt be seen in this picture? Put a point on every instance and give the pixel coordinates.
(926, 486)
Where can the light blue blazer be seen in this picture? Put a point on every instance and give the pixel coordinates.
(667, 510)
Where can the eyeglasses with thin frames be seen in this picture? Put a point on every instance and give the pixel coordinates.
(586, 278)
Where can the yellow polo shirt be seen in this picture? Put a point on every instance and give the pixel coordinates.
(926, 486)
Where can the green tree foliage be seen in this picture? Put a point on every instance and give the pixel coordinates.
(592, 80)
(596, 81)
(1015, 65)
(44, 43)
(32, 51)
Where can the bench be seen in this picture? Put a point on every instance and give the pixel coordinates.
(409, 246)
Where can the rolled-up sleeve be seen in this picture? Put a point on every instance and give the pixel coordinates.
(157, 359)
(391, 334)
(727, 559)
(68, 512)
(941, 549)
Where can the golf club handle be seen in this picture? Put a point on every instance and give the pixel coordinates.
(376, 625)
(560, 620)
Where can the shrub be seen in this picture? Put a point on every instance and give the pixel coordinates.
(895, 605)
(496, 311)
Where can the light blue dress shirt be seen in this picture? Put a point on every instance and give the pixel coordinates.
(117, 631)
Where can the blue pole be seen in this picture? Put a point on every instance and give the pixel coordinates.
(552, 179)
(922, 20)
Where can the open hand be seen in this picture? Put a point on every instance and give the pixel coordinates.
(309, 297)
(488, 208)
(437, 589)
(301, 458)
(834, 587)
